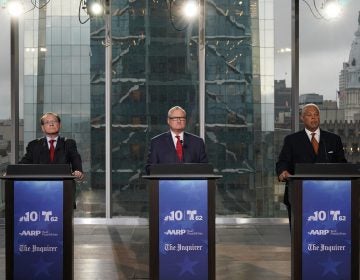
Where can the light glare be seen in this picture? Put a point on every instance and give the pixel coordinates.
(15, 8)
(332, 9)
(96, 9)
(190, 9)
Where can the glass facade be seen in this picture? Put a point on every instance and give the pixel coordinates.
(154, 67)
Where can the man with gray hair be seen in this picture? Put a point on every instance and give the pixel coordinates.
(176, 145)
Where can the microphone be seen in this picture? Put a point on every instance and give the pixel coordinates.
(182, 143)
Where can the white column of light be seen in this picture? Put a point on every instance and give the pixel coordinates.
(15, 9)
(202, 68)
(108, 83)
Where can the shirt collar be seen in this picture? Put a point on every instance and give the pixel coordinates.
(48, 138)
(180, 134)
(309, 133)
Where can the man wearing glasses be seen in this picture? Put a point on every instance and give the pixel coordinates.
(53, 149)
(176, 145)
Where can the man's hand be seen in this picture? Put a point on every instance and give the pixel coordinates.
(78, 174)
(284, 175)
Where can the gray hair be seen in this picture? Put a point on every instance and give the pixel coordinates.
(175, 108)
(303, 109)
(51, 114)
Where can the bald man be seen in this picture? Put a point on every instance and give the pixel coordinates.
(298, 147)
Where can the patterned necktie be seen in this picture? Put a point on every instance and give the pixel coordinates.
(314, 143)
(52, 149)
(179, 148)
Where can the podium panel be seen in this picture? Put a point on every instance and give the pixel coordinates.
(38, 229)
(182, 222)
(183, 229)
(39, 226)
(325, 230)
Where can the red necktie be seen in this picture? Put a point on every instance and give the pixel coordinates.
(52, 149)
(179, 148)
(314, 143)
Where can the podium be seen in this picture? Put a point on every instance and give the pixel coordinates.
(182, 221)
(325, 221)
(39, 221)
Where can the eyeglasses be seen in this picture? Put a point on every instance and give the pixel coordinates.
(182, 119)
(50, 122)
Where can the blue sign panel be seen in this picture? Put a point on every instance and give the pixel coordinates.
(183, 230)
(38, 230)
(326, 235)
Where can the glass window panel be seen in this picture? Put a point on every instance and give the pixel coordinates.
(55, 95)
(76, 94)
(75, 65)
(66, 63)
(56, 36)
(75, 36)
(56, 65)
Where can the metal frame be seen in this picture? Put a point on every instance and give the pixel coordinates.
(14, 46)
(108, 111)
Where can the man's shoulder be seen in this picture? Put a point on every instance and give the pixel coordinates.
(66, 140)
(192, 136)
(37, 141)
(328, 134)
(295, 135)
(160, 136)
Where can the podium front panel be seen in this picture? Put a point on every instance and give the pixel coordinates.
(326, 229)
(38, 229)
(183, 229)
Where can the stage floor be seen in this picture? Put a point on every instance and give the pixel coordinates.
(109, 252)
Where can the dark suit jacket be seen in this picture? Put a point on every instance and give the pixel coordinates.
(162, 150)
(37, 152)
(297, 148)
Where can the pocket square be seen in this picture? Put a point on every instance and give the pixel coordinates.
(330, 152)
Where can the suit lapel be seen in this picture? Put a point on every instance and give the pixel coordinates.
(309, 150)
(44, 151)
(59, 147)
